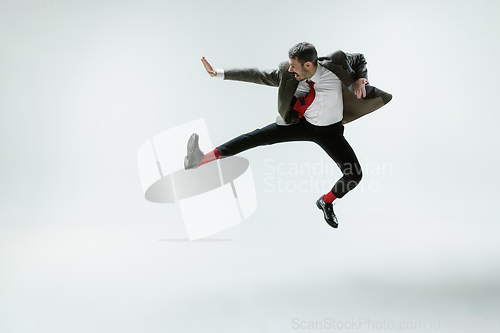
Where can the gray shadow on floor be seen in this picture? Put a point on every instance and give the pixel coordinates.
(202, 240)
(189, 183)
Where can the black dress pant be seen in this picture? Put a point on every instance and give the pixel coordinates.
(330, 138)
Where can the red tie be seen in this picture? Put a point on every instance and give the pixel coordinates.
(303, 102)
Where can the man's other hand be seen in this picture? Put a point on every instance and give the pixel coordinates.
(208, 67)
(359, 87)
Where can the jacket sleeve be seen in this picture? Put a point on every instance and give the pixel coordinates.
(254, 75)
(357, 63)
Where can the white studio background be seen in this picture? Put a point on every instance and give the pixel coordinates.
(84, 83)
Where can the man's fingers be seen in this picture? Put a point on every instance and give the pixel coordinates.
(206, 64)
(359, 89)
(360, 92)
(208, 67)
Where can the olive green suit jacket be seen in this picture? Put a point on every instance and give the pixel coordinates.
(347, 66)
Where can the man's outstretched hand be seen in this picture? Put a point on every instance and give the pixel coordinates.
(359, 87)
(208, 67)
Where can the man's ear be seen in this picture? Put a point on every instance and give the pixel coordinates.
(308, 65)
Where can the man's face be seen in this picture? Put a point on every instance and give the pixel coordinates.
(300, 72)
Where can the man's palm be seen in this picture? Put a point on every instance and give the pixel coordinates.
(208, 67)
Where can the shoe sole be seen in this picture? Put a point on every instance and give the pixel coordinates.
(192, 145)
(192, 142)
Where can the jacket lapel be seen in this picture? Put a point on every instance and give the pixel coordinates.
(290, 87)
(342, 74)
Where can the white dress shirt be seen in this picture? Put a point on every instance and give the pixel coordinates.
(327, 107)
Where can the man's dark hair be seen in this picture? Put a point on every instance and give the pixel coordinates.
(304, 52)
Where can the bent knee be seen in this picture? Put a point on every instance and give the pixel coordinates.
(358, 176)
(355, 176)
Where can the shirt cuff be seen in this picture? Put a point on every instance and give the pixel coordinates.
(220, 73)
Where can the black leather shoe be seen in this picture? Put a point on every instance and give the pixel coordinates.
(327, 209)
(194, 154)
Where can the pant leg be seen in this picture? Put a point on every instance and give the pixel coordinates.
(267, 135)
(331, 139)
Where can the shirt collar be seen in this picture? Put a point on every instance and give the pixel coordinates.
(317, 75)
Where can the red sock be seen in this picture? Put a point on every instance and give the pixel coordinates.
(329, 197)
(211, 156)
